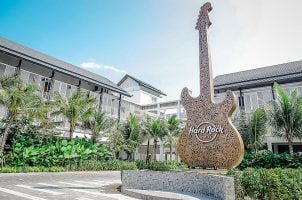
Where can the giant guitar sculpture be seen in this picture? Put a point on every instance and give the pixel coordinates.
(209, 139)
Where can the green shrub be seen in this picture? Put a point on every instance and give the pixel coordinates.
(7, 169)
(56, 169)
(166, 165)
(267, 159)
(106, 165)
(281, 184)
(141, 164)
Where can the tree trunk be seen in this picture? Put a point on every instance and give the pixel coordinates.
(5, 135)
(129, 156)
(148, 152)
(170, 146)
(155, 146)
(93, 137)
(71, 130)
(117, 155)
(290, 147)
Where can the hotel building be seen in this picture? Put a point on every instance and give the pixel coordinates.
(253, 88)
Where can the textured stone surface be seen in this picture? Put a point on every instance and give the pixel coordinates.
(193, 182)
(161, 195)
(209, 139)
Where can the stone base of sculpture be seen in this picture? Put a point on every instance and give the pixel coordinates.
(199, 183)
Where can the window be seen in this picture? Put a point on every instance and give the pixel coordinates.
(47, 86)
(63, 89)
(241, 101)
(2, 69)
(68, 91)
(153, 99)
(56, 86)
(9, 70)
(247, 100)
(24, 75)
(33, 78)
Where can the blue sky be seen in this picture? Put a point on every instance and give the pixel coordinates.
(155, 40)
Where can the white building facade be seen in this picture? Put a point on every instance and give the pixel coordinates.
(253, 88)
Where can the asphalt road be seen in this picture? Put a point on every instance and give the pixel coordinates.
(65, 185)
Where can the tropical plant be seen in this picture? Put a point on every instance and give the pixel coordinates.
(130, 130)
(42, 115)
(158, 130)
(145, 133)
(19, 99)
(76, 108)
(241, 123)
(286, 116)
(253, 129)
(174, 129)
(116, 140)
(98, 123)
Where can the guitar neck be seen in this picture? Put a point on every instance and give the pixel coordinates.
(205, 73)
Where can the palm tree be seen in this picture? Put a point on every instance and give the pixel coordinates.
(76, 108)
(286, 116)
(19, 99)
(158, 130)
(42, 115)
(253, 129)
(258, 129)
(97, 122)
(242, 125)
(174, 127)
(145, 132)
(130, 130)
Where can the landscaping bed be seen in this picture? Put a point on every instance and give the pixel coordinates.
(270, 184)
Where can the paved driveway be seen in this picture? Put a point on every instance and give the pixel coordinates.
(66, 185)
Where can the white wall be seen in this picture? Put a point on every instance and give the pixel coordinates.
(139, 96)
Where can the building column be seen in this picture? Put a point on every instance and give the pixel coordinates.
(18, 68)
(101, 99)
(273, 91)
(119, 108)
(49, 85)
(79, 84)
(269, 146)
(158, 110)
(241, 104)
(52, 81)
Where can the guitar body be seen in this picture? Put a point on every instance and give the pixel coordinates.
(209, 139)
(223, 148)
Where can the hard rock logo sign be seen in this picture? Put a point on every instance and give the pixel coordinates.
(206, 132)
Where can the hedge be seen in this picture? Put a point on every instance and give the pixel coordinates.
(267, 159)
(90, 165)
(268, 184)
(161, 165)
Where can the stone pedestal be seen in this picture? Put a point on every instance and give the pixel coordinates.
(195, 182)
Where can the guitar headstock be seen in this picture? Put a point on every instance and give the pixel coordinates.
(203, 18)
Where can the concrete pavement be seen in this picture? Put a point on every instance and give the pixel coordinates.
(63, 185)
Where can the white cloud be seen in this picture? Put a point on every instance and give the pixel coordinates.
(94, 65)
(115, 69)
(90, 65)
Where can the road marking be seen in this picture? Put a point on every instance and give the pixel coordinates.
(86, 182)
(73, 184)
(113, 196)
(40, 189)
(83, 198)
(89, 192)
(20, 194)
(106, 182)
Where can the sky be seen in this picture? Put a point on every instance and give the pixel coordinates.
(156, 40)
